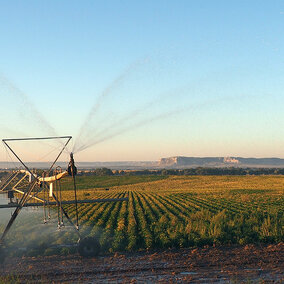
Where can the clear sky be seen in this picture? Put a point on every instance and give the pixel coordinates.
(160, 78)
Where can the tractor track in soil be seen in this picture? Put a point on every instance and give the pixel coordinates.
(224, 264)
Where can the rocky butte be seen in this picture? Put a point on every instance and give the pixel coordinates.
(190, 162)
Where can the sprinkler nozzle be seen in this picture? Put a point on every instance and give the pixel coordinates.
(72, 170)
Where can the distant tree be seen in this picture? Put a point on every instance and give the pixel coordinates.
(103, 172)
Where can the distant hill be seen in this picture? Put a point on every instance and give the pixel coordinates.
(176, 162)
(123, 165)
(183, 162)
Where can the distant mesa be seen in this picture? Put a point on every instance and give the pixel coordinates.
(191, 162)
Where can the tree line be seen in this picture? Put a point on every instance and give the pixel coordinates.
(192, 171)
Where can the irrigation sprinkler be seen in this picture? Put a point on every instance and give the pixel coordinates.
(45, 191)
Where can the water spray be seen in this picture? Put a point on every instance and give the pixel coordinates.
(27, 108)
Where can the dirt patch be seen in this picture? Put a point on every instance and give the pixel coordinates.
(200, 265)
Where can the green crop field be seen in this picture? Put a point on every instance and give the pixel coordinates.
(86, 182)
(178, 211)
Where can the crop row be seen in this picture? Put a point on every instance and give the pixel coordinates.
(153, 220)
(161, 219)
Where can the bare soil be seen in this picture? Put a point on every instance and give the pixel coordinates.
(226, 264)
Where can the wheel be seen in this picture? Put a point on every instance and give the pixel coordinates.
(2, 254)
(89, 247)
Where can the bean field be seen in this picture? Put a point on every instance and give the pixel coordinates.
(163, 212)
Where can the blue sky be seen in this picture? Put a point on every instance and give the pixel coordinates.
(215, 67)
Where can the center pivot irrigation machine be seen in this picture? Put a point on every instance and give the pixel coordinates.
(45, 190)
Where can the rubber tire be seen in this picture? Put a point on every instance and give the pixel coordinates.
(89, 247)
(2, 255)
